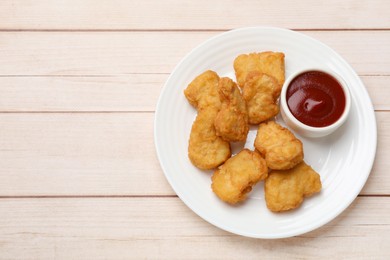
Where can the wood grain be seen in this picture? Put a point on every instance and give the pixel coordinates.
(118, 53)
(201, 14)
(79, 154)
(165, 228)
(79, 82)
(84, 154)
(134, 92)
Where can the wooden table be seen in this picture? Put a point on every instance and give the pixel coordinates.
(79, 82)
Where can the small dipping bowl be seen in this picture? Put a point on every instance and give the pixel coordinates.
(312, 102)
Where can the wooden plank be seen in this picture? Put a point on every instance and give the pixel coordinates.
(79, 154)
(165, 228)
(201, 14)
(136, 92)
(378, 177)
(377, 87)
(116, 53)
(55, 154)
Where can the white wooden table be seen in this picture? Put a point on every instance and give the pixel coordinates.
(79, 81)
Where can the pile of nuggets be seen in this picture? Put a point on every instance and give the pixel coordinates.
(225, 111)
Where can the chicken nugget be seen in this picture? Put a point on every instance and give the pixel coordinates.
(231, 122)
(233, 180)
(280, 148)
(260, 92)
(206, 150)
(271, 63)
(286, 189)
(202, 92)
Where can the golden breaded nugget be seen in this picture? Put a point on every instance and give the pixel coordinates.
(231, 122)
(286, 189)
(281, 149)
(233, 180)
(271, 63)
(206, 150)
(202, 92)
(260, 92)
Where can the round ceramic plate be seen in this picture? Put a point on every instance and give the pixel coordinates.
(343, 159)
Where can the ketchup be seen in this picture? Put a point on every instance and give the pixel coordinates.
(316, 98)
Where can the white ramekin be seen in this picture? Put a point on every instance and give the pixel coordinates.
(306, 130)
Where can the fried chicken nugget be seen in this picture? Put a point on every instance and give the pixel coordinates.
(271, 63)
(280, 148)
(231, 122)
(202, 92)
(233, 180)
(286, 189)
(206, 150)
(260, 92)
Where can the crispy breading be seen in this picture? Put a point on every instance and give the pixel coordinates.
(286, 189)
(271, 63)
(231, 122)
(260, 92)
(206, 150)
(233, 180)
(202, 92)
(280, 148)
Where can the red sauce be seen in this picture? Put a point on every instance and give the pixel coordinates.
(316, 98)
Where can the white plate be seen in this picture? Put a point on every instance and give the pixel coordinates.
(343, 159)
